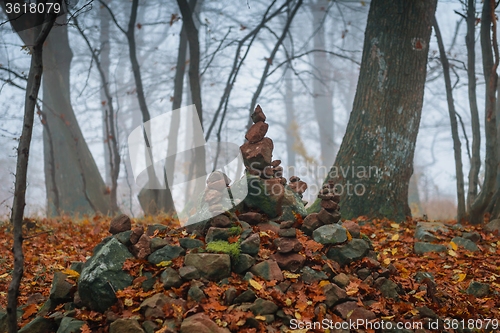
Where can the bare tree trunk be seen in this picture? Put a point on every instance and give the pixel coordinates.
(110, 138)
(32, 89)
(375, 161)
(490, 64)
(471, 77)
(323, 86)
(454, 127)
(104, 53)
(291, 123)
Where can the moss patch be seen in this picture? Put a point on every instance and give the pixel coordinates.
(233, 249)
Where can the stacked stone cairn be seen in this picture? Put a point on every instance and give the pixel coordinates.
(329, 212)
(288, 247)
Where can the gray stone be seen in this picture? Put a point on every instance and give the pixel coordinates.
(311, 276)
(149, 283)
(39, 325)
(420, 276)
(77, 266)
(269, 204)
(189, 273)
(493, 226)
(268, 270)
(157, 243)
(190, 243)
(152, 228)
(70, 325)
(425, 312)
(243, 263)
(388, 288)
(124, 237)
(166, 253)
(426, 231)
(60, 290)
(334, 294)
(101, 244)
(478, 289)
(251, 245)
(102, 276)
(170, 278)
(422, 248)
(125, 326)
(201, 323)
(330, 234)
(196, 294)
(344, 254)
(288, 233)
(215, 234)
(465, 243)
(149, 326)
(152, 307)
(473, 236)
(263, 307)
(248, 296)
(210, 265)
(341, 279)
(229, 296)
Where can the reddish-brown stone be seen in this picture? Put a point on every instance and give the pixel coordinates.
(258, 115)
(328, 218)
(298, 186)
(136, 234)
(352, 227)
(292, 262)
(252, 218)
(329, 205)
(286, 245)
(257, 132)
(258, 155)
(119, 224)
(142, 248)
(221, 221)
(275, 163)
(311, 223)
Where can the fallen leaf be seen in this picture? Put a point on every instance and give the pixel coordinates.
(255, 284)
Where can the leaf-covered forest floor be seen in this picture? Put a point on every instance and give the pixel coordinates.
(52, 244)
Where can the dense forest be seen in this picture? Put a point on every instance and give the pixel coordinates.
(249, 166)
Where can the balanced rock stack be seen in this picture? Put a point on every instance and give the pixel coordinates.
(298, 186)
(329, 213)
(287, 248)
(217, 182)
(257, 155)
(330, 210)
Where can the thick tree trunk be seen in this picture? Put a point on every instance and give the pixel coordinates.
(490, 64)
(323, 87)
(23, 150)
(475, 163)
(375, 161)
(81, 188)
(454, 126)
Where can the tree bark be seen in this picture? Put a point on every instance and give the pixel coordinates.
(454, 126)
(490, 64)
(475, 161)
(375, 160)
(32, 89)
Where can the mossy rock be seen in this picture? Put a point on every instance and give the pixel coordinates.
(233, 249)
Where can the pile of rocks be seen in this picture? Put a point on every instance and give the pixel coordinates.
(288, 247)
(330, 210)
(217, 183)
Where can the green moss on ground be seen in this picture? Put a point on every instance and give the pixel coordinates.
(233, 249)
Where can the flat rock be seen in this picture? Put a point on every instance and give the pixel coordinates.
(157, 243)
(166, 253)
(252, 218)
(345, 308)
(102, 275)
(286, 245)
(39, 325)
(334, 294)
(465, 243)
(423, 247)
(201, 323)
(251, 245)
(344, 254)
(125, 326)
(493, 226)
(263, 307)
(292, 262)
(478, 289)
(258, 155)
(70, 325)
(311, 276)
(257, 132)
(268, 270)
(189, 273)
(221, 221)
(212, 266)
(190, 243)
(119, 224)
(426, 231)
(330, 234)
